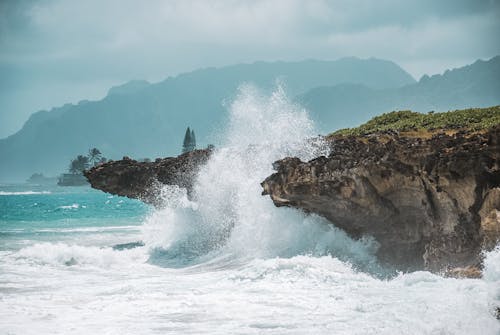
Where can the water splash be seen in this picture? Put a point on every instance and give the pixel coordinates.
(228, 216)
(491, 276)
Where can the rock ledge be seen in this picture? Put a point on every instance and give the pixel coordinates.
(141, 180)
(432, 204)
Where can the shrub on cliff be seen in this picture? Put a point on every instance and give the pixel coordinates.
(473, 119)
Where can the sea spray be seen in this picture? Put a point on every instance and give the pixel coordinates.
(228, 216)
(491, 275)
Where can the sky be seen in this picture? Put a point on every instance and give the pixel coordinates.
(54, 52)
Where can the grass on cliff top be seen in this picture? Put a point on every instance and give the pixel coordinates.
(418, 124)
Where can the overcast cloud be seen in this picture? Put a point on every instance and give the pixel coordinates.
(56, 51)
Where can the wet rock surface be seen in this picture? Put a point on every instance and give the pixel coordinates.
(430, 203)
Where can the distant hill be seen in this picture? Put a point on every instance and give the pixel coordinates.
(346, 105)
(131, 87)
(141, 120)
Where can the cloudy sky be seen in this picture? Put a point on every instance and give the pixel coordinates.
(58, 51)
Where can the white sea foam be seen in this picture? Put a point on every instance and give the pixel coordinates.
(108, 291)
(72, 206)
(69, 255)
(86, 229)
(24, 192)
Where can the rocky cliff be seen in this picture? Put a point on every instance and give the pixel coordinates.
(431, 203)
(428, 192)
(141, 180)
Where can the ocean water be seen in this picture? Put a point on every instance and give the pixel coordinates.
(78, 261)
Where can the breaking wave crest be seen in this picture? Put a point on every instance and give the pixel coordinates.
(228, 217)
(57, 254)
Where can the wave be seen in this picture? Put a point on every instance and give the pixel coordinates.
(24, 192)
(227, 217)
(77, 255)
(295, 295)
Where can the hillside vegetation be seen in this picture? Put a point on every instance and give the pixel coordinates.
(413, 123)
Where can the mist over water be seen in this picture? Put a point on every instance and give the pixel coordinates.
(225, 261)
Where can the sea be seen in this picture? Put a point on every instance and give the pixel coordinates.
(74, 260)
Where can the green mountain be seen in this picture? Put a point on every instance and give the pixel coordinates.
(346, 105)
(141, 120)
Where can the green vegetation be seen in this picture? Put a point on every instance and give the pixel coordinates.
(81, 162)
(474, 119)
(94, 156)
(189, 143)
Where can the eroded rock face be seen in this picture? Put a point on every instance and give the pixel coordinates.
(141, 180)
(430, 203)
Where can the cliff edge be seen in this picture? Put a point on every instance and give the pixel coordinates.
(431, 198)
(425, 186)
(141, 180)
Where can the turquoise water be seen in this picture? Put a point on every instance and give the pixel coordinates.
(37, 213)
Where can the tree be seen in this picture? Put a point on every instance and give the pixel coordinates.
(94, 156)
(193, 139)
(79, 164)
(189, 142)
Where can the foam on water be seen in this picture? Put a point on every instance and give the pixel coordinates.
(73, 206)
(24, 192)
(69, 255)
(491, 275)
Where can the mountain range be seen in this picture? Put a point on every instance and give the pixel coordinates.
(140, 119)
(347, 105)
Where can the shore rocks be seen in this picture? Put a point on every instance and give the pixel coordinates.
(430, 203)
(141, 180)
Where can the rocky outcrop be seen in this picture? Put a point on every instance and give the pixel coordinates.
(430, 203)
(141, 180)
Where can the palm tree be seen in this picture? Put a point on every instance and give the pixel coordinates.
(79, 164)
(94, 156)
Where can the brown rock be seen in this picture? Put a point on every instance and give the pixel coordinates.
(141, 180)
(430, 203)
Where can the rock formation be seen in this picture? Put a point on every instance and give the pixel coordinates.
(140, 180)
(430, 203)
